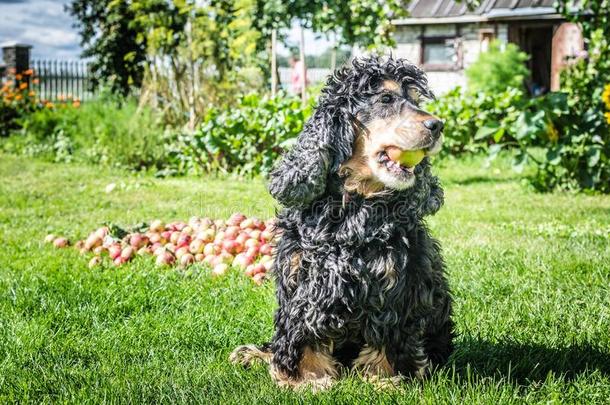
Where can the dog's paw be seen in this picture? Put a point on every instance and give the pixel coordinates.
(247, 354)
(385, 383)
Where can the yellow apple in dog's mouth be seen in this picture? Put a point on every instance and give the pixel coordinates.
(406, 158)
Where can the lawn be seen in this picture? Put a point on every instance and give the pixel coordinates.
(530, 274)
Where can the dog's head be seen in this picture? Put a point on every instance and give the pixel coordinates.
(368, 129)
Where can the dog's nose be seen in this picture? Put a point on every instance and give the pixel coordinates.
(435, 126)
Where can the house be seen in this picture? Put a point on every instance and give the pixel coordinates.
(444, 37)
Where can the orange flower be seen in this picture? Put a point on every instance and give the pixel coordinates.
(23, 86)
(18, 76)
(32, 93)
(76, 103)
(49, 105)
(29, 72)
(36, 81)
(18, 97)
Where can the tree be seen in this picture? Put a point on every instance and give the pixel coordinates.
(110, 39)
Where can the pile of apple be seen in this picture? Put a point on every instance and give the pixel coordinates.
(241, 242)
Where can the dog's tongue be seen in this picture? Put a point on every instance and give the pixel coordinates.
(408, 158)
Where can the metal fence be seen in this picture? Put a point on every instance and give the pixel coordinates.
(58, 80)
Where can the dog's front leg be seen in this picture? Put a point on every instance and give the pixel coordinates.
(316, 368)
(410, 357)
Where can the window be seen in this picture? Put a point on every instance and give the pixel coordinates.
(439, 53)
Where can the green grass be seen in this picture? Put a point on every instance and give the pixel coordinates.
(530, 274)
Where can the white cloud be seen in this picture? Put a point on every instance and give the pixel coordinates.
(44, 24)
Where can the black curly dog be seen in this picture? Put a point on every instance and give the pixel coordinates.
(360, 281)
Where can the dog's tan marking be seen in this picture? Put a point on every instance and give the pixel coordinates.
(247, 354)
(373, 362)
(317, 370)
(357, 172)
(295, 264)
(391, 85)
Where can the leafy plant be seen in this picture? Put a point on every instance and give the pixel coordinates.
(475, 120)
(101, 132)
(245, 139)
(574, 126)
(500, 67)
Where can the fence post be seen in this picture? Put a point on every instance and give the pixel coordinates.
(16, 58)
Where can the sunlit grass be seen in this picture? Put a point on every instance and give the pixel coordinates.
(530, 274)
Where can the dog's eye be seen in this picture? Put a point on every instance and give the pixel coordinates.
(387, 98)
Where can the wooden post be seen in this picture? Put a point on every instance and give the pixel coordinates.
(273, 63)
(303, 69)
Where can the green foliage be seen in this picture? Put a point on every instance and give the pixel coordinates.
(100, 132)
(473, 121)
(245, 139)
(502, 66)
(109, 38)
(574, 125)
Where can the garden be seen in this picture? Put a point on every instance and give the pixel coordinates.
(138, 235)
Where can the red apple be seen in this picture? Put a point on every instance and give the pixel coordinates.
(252, 243)
(95, 261)
(232, 232)
(266, 249)
(242, 260)
(236, 219)
(99, 250)
(211, 249)
(183, 240)
(259, 278)
(165, 259)
(187, 259)
(127, 253)
(267, 235)
(119, 260)
(154, 238)
(157, 226)
(114, 251)
(93, 240)
(143, 251)
(60, 242)
(220, 269)
(166, 235)
(249, 270)
(199, 257)
(137, 240)
(102, 232)
(181, 252)
(196, 246)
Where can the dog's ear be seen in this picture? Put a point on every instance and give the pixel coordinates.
(325, 142)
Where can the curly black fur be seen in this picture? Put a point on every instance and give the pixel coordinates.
(369, 273)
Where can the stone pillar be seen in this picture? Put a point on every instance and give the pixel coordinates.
(16, 58)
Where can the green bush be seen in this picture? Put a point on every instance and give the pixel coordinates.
(245, 139)
(473, 121)
(574, 126)
(109, 132)
(501, 67)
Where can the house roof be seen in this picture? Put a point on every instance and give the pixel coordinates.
(452, 11)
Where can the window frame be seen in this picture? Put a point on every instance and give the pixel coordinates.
(439, 39)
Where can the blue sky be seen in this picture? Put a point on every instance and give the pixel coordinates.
(48, 28)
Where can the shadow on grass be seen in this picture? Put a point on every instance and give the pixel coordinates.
(527, 362)
(480, 180)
